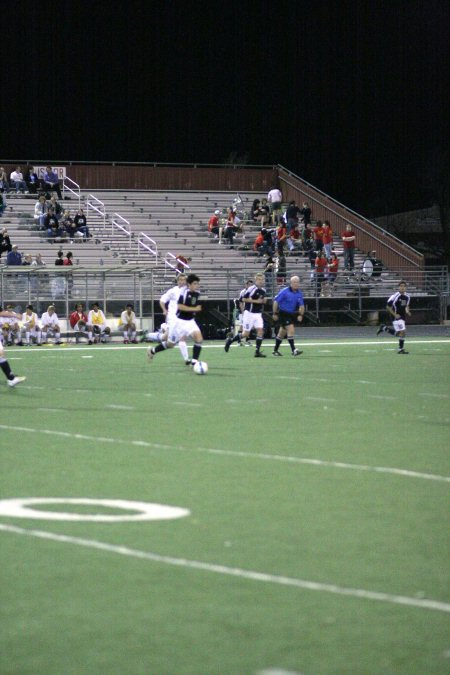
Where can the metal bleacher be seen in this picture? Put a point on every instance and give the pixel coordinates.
(176, 222)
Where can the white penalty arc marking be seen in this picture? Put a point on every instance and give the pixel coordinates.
(304, 584)
(233, 453)
(20, 508)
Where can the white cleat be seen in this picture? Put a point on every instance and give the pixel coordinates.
(150, 354)
(16, 380)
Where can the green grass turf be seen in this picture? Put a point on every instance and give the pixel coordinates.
(69, 609)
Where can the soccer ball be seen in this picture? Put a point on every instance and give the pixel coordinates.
(200, 368)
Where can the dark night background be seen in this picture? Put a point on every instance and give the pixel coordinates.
(352, 96)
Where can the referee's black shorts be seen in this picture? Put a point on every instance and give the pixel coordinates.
(286, 318)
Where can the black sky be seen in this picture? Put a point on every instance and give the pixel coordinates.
(349, 95)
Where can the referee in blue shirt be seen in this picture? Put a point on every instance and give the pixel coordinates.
(288, 307)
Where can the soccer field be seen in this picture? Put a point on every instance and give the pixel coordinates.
(311, 529)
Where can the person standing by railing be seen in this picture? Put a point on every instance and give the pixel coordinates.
(348, 237)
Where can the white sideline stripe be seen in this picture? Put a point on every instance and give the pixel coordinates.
(234, 571)
(303, 342)
(233, 453)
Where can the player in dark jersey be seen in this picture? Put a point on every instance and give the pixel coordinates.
(184, 325)
(398, 308)
(254, 300)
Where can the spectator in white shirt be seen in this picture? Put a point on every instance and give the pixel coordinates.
(17, 180)
(275, 198)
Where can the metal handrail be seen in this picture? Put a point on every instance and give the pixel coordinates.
(92, 205)
(125, 163)
(76, 192)
(150, 247)
(122, 230)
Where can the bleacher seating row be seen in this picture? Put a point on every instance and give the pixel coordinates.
(177, 222)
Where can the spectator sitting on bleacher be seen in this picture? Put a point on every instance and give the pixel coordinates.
(27, 259)
(14, 257)
(81, 224)
(16, 179)
(69, 226)
(51, 181)
(38, 262)
(32, 181)
(4, 184)
(333, 267)
(258, 244)
(214, 225)
(56, 206)
(256, 211)
(59, 258)
(5, 241)
(55, 233)
(294, 240)
(40, 211)
(2, 204)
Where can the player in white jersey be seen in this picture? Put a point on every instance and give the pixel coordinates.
(128, 325)
(169, 306)
(4, 365)
(156, 335)
(30, 327)
(50, 324)
(238, 302)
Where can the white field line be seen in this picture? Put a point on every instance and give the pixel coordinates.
(303, 342)
(231, 453)
(419, 603)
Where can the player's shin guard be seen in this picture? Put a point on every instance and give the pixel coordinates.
(160, 348)
(401, 343)
(184, 350)
(196, 351)
(291, 344)
(258, 343)
(278, 342)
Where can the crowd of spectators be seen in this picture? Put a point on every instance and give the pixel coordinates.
(283, 232)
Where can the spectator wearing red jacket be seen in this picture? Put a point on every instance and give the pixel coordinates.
(320, 267)
(214, 225)
(78, 321)
(348, 238)
(318, 236)
(333, 267)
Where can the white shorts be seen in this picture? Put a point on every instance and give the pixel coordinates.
(399, 324)
(252, 320)
(50, 328)
(180, 328)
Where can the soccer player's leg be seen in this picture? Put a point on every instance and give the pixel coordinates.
(278, 340)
